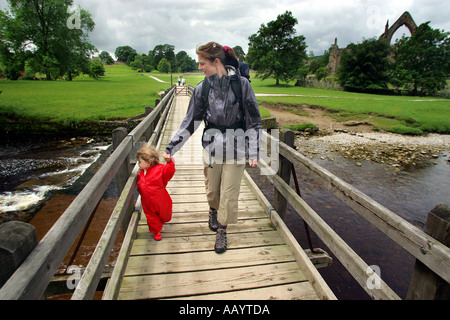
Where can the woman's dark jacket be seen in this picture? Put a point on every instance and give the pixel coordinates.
(223, 111)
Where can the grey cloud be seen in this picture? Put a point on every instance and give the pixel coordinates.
(185, 24)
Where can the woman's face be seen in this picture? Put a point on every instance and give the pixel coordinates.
(209, 68)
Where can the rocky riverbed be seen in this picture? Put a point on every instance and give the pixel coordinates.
(394, 150)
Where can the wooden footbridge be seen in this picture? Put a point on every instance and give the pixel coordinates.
(263, 260)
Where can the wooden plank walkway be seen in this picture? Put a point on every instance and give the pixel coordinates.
(258, 264)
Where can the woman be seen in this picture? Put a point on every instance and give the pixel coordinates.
(231, 133)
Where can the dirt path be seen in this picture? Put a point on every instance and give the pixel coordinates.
(320, 117)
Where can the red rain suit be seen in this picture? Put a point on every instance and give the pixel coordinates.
(155, 199)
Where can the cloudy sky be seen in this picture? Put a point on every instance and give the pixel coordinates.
(143, 24)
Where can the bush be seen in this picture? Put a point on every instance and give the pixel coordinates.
(97, 69)
(12, 72)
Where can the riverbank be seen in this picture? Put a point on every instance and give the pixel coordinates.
(390, 149)
(22, 126)
(359, 140)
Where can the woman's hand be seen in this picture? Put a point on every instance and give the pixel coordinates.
(253, 162)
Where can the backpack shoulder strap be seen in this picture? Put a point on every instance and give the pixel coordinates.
(205, 92)
(237, 90)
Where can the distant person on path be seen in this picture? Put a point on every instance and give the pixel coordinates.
(179, 80)
(226, 102)
(152, 181)
(183, 81)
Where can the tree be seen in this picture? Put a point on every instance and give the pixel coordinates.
(240, 53)
(321, 73)
(167, 52)
(164, 66)
(41, 32)
(125, 54)
(187, 64)
(96, 69)
(106, 58)
(422, 61)
(142, 63)
(365, 66)
(275, 51)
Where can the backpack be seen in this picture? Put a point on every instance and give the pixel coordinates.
(235, 85)
(244, 69)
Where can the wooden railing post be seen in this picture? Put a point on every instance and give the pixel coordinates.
(123, 173)
(425, 284)
(284, 171)
(149, 131)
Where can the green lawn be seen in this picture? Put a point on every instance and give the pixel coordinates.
(125, 93)
(121, 93)
(401, 114)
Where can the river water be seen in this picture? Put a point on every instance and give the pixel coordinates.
(32, 171)
(411, 181)
(44, 175)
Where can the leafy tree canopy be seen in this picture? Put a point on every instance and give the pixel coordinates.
(125, 54)
(365, 66)
(422, 61)
(276, 51)
(48, 35)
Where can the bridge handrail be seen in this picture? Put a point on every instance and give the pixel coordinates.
(425, 248)
(112, 288)
(33, 276)
(90, 279)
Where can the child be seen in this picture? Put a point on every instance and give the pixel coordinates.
(152, 181)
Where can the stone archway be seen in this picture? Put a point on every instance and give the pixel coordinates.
(406, 20)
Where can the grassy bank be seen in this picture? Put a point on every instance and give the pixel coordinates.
(122, 93)
(400, 114)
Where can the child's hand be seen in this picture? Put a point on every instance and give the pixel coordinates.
(166, 156)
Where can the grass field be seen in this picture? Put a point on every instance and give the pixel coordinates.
(125, 93)
(121, 93)
(400, 114)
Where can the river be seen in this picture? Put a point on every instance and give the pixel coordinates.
(407, 175)
(45, 175)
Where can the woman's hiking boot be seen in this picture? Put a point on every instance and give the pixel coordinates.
(213, 223)
(221, 240)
